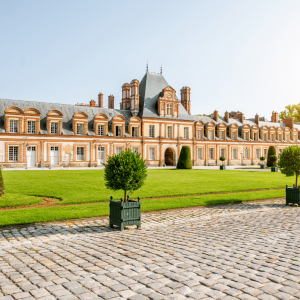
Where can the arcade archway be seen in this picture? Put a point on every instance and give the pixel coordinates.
(169, 157)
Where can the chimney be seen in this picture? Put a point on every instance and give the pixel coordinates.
(275, 117)
(216, 115)
(226, 117)
(100, 100)
(289, 122)
(257, 119)
(241, 118)
(186, 98)
(111, 101)
(135, 97)
(92, 103)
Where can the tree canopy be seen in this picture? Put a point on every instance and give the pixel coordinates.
(291, 111)
(126, 171)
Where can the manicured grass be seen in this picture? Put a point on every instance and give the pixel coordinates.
(252, 168)
(32, 215)
(87, 186)
(14, 200)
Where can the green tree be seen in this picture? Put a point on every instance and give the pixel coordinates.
(2, 187)
(289, 162)
(126, 171)
(185, 158)
(291, 111)
(222, 158)
(271, 151)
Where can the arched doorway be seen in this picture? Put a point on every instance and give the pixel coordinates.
(169, 157)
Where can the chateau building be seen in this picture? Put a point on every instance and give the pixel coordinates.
(151, 120)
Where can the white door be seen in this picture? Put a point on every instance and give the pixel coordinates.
(101, 155)
(67, 159)
(54, 156)
(31, 156)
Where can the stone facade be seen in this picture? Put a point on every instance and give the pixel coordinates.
(151, 120)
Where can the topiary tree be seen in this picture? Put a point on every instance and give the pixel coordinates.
(262, 159)
(185, 158)
(271, 151)
(289, 162)
(222, 158)
(273, 159)
(2, 187)
(126, 171)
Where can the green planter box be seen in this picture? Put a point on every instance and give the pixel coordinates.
(274, 169)
(124, 214)
(262, 166)
(222, 167)
(292, 195)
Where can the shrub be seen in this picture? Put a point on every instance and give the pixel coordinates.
(271, 151)
(2, 187)
(273, 159)
(126, 171)
(289, 162)
(185, 159)
(222, 158)
(262, 158)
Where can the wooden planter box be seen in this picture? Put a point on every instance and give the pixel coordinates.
(292, 195)
(262, 166)
(124, 214)
(222, 167)
(274, 169)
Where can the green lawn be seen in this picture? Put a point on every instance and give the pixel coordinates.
(87, 186)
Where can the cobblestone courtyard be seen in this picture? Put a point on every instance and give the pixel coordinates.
(239, 251)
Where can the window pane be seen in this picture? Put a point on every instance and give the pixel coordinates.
(13, 153)
(199, 136)
(80, 153)
(170, 132)
(199, 153)
(186, 132)
(151, 131)
(80, 128)
(211, 153)
(211, 135)
(13, 126)
(101, 130)
(31, 126)
(54, 128)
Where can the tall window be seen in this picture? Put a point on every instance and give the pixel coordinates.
(80, 153)
(134, 131)
(247, 136)
(233, 135)
(118, 130)
(186, 132)
(54, 128)
(101, 129)
(211, 153)
(31, 126)
(151, 131)
(246, 153)
(119, 150)
(265, 137)
(255, 136)
(287, 138)
(170, 128)
(211, 135)
(169, 110)
(234, 156)
(13, 153)
(265, 152)
(223, 152)
(272, 137)
(152, 153)
(80, 128)
(222, 135)
(200, 153)
(257, 154)
(13, 126)
(199, 135)
(280, 138)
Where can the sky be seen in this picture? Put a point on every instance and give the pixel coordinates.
(233, 54)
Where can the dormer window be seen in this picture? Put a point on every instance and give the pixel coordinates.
(101, 130)
(211, 135)
(118, 130)
(186, 132)
(80, 128)
(13, 126)
(247, 136)
(199, 135)
(169, 109)
(222, 135)
(134, 131)
(31, 127)
(233, 136)
(54, 128)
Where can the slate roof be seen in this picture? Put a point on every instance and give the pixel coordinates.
(151, 86)
(68, 112)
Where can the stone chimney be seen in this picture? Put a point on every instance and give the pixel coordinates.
(226, 117)
(135, 97)
(216, 115)
(289, 122)
(257, 119)
(111, 101)
(241, 118)
(275, 117)
(100, 100)
(186, 98)
(92, 103)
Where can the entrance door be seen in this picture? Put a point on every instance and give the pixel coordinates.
(101, 155)
(169, 157)
(54, 156)
(31, 157)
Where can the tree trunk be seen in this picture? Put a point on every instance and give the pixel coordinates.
(125, 200)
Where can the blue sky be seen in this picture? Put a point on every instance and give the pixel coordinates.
(235, 55)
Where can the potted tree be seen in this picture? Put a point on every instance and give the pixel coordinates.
(222, 159)
(126, 171)
(273, 159)
(262, 162)
(289, 164)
